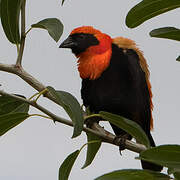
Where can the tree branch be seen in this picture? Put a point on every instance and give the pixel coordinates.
(18, 70)
(96, 128)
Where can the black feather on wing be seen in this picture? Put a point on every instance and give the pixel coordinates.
(121, 89)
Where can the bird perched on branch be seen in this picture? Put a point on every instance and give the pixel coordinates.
(115, 78)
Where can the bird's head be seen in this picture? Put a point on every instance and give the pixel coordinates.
(92, 47)
(85, 38)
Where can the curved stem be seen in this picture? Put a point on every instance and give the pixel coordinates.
(34, 95)
(41, 93)
(40, 115)
(17, 46)
(92, 116)
(28, 31)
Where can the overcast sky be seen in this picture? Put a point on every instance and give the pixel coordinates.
(35, 149)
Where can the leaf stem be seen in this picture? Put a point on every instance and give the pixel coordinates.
(33, 96)
(28, 31)
(41, 93)
(38, 94)
(40, 115)
(17, 45)
(92, 116)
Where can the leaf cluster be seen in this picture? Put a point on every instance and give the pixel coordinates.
(148, 9)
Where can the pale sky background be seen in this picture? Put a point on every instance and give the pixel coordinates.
(35, 149)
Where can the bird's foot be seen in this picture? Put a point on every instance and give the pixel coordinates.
(90, 119)
(121, 141)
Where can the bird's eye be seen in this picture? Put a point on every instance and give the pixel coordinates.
(81, 36)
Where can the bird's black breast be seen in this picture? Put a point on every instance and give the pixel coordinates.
(121, 88)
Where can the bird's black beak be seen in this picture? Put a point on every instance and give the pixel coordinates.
(68, 43)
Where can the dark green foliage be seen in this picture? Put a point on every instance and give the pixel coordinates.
(166, 32)
(165, 155)
(0, 8)
(177, 175)
(66, 166)
(72, 107)
(52, 25)
(62, 2)
(8, 121)
(92, 149)
(178, 58)
(10, 10)
(11, 105)
(12, 113)
(127, 125)
(133, 174)
(148, 9)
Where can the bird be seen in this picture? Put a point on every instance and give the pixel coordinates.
(115, 79)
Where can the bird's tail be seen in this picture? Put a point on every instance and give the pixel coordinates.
(148, 165)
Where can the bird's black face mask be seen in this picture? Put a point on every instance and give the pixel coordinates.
(78, 43)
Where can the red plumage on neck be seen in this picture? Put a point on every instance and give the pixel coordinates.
(95, 59)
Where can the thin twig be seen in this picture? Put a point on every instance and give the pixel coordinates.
(23, 27)
(96, 128)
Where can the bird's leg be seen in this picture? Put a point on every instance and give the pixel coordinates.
(121, 141)
(94, 118)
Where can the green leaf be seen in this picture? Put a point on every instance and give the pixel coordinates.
(92, 149)
(72, 107)
(0, 8)
(127, 125)
(62, 2)
(52, 25)
(8, 121)
(166, 32)
(177, 175)
(133, 174)
(22, 108)
(165, 155)
(178, 58)
(147, 9)
(11, 105)
(66, 166)
(10, 10)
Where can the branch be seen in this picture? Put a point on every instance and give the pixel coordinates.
(20, 54)
(96, 128)
(18, 70)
